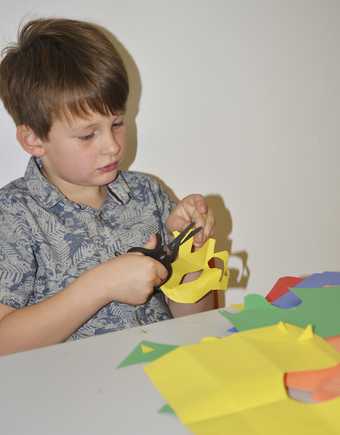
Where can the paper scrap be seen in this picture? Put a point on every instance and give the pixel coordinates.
(334, 341)
(287, 300)
(146, 351)
(235, 384)
(166, 409)
(320, 280)
(281, 286)
(324, 384)
(319, 307)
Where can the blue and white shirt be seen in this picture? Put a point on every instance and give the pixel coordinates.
(47, 241)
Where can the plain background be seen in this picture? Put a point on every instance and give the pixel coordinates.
(238, 100)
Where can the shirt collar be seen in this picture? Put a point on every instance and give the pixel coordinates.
(48, 195)
(119, 190)
(41, 190)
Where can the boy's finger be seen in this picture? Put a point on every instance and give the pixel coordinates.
(151, 242)
(178, 222)
(199, 202)
(200, 221)
(162, 274)
(209, 225)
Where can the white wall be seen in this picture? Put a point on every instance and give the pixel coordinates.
(240, 101)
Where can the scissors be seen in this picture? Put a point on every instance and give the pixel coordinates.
(167, 254)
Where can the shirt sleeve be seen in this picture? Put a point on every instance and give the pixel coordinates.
(17, 261)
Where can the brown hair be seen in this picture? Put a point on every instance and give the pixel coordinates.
(61, 67)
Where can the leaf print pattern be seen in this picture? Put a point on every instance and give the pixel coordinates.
(47, 241)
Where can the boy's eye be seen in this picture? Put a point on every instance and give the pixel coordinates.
(118, 124)
(87, 137)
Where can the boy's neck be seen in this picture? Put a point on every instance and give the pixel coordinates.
(92, 196)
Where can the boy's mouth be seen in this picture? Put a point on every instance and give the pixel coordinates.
(108, 168)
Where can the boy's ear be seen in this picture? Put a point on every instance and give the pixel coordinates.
(30, 142)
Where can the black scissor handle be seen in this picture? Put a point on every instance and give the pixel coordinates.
(150, 252)
(156, 253)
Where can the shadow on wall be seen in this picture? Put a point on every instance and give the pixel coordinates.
(239, 271)
(132, 107)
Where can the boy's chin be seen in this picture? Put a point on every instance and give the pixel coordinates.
(109, 178)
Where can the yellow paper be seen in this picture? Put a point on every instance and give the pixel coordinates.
(235, 384)
(187, 262)
(146, 349)
(238, 307)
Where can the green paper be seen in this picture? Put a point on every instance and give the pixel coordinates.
(137, 356)
(166, 409)
(319, 307)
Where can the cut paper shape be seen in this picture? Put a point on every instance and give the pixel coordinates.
(334, 341)
(238, 307)
(320, 280)
(166, 409)
(146, 351)
(319, 307)
(281, 287)
(235, 384)
(324, 384)
(307, 333)
(288, 300)
(328, 389)
(187, 262)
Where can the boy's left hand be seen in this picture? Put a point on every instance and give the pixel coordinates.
(193, 208)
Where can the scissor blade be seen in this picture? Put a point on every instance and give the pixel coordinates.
(177, 240)
(174, 247)
(191, 234)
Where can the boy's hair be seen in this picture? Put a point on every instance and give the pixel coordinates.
(61, 67)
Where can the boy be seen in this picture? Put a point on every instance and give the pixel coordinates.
(65, 227)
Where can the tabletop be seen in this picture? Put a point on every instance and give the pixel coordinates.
(75, 388)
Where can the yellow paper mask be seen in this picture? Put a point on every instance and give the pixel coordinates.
(187, 262)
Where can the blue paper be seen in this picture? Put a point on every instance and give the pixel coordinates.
(320, 280)
(288, 300)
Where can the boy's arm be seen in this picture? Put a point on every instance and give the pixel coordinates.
(4, 310)
(52, 320)
(129, 278)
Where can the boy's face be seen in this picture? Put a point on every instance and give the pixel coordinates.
(84, 152)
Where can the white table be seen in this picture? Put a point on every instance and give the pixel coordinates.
(76, 389)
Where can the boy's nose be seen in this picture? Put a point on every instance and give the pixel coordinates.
(111, 144)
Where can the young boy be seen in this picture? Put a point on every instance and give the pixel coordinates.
(65, 227)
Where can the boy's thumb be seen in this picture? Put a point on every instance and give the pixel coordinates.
(151, 243)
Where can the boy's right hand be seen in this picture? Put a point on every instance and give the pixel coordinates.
(131, 278)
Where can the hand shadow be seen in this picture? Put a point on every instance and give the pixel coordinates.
(132, 106)
(239, 271)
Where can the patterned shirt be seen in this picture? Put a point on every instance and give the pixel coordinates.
(47, 241)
